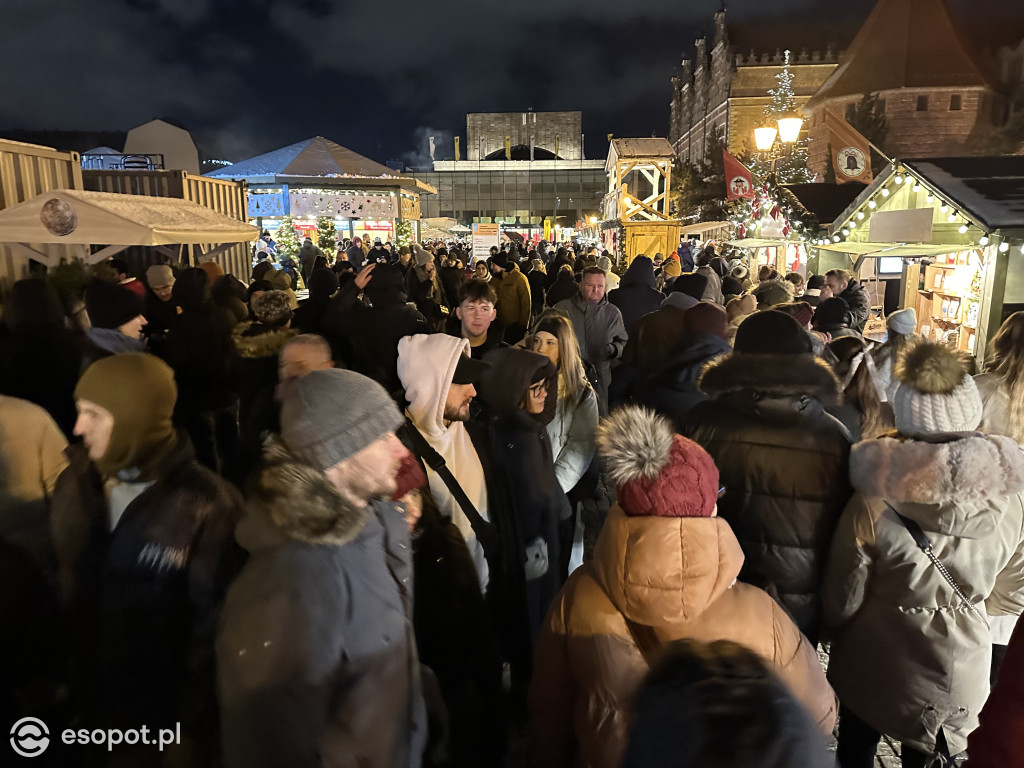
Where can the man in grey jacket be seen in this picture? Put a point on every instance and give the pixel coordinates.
(599, 329)
(317, 661)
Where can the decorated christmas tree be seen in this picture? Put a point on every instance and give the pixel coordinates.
(403, 233)
(791, 163)
(287, 239)
(326, 235)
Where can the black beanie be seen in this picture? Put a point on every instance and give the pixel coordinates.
(692, 284)
(109, 305)
(772, 333)
(500, 259)
(830, 314)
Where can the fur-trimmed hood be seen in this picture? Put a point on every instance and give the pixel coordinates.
(251, 343)
(772, 375)
(955, 488)
(289, 499)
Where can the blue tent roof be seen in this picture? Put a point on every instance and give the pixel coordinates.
(313, 157)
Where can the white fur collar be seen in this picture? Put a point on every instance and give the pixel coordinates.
(975, 468)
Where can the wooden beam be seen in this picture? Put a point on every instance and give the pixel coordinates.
(219, 249)
(105, 253)
(32, 253)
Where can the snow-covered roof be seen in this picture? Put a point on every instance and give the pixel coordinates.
(988, 189)
(71, 216)
(310, 158)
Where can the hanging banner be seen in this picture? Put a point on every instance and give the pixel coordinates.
(508, 147)
(738, 181)
(851, 152)
(458, 155)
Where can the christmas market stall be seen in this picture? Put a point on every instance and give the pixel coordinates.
(322, 190)
(952, 230)
(50, 225)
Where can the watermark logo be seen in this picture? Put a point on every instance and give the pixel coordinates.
(30, 737)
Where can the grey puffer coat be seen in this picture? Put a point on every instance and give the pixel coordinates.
(895, 617)
(317, 662)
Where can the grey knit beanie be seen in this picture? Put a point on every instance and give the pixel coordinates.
(935, 395)
(330, 415)
(903, 321)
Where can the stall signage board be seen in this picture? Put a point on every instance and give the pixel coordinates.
(484, 237)
(909, 226)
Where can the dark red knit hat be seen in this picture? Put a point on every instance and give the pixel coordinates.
(800, 311)
(410, 477)
(656, 472)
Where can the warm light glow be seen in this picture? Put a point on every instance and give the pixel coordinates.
(872, 204)
(898, 179)
(789, 129)
(885, 192)
(983, 240)
(1004, 247)
(846, 233)
(963, 229)
(853, 225)
(930, 199)
(943, 208)
(593, 219)
(835, 238)
(860, 215)
(764, 137)
(917, 187)
(952, 217)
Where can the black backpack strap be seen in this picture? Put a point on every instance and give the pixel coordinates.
(485, 532)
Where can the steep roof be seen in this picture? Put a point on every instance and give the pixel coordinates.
(904, 44)
(313, 157)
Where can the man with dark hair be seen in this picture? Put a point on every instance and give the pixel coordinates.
(843, 286)
(125, 278)
(475, 318)
(599, 328)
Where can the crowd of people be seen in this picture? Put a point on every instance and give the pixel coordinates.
(437, 505)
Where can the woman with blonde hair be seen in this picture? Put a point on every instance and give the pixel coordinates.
(573, 430)
(1002, 384)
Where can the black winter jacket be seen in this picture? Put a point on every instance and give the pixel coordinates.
(563, 287)
(856, 298)
(143, 599)
(636, 295)
(784, 465)
(673, 390)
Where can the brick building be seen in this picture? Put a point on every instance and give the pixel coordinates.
(727, 86)
(930, 83)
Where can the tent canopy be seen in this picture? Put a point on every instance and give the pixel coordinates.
(891, 249)
(759, 242)
(76, 217)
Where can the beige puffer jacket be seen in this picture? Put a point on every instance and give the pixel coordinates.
(678, 576)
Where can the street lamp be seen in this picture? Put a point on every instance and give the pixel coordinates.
(764, 138)
(788, 131)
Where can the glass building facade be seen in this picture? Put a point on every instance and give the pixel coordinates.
(523, 197)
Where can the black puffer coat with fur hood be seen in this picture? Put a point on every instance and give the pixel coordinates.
(316, 655)
(783, 463)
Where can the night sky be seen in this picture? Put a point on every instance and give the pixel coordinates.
(377, 76)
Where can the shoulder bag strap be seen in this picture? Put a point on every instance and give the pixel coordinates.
(484, 531)
(925, 545)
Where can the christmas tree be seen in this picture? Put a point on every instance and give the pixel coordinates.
(791, 163)
(403, 233)
(326, 235)
(287, 239)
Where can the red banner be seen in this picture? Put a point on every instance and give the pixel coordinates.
(738, 181)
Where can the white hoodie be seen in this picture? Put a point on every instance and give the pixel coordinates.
(426, 366)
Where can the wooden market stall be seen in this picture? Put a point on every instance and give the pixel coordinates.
(635, 210)
(952, 229)
(45, 227)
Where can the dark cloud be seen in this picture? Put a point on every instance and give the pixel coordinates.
(247, 76)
